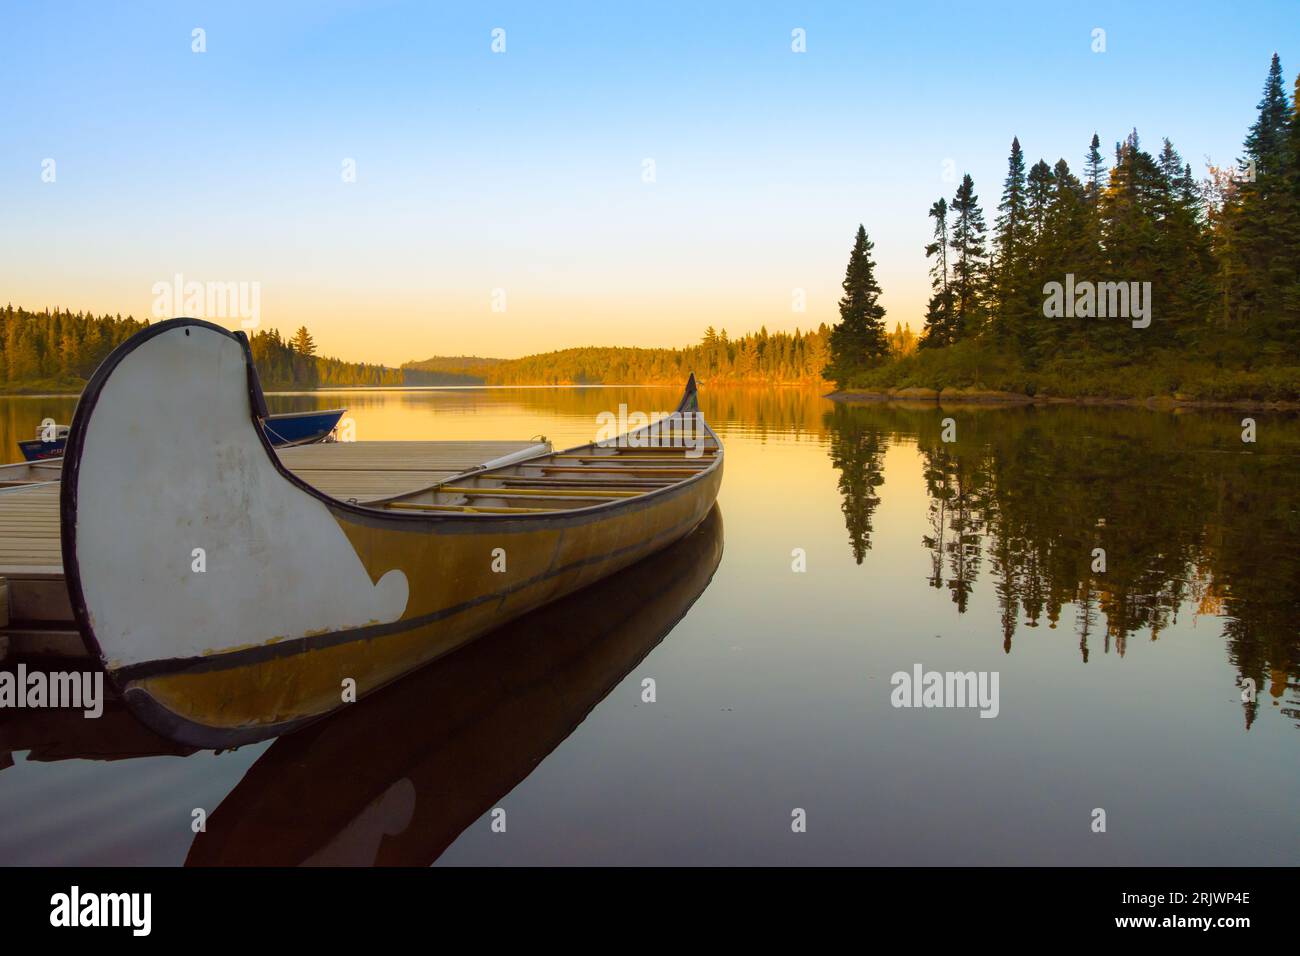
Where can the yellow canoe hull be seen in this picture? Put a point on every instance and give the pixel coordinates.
(265, 690)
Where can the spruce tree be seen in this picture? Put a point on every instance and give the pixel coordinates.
(1261, 221)
(939, 318)
(1130, 214)
(1068, 245)
(1009, 274)
(859, 340)
(1090, 261)
(1290, 218)
(1093, 169)
(1034, 334)
(1266, 141)
(969, 263)
(302, 342)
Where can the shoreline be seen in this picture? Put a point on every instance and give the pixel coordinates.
(990, 397)
(913, 396)
(46, 392)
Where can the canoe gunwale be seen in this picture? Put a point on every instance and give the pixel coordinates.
(313, 412)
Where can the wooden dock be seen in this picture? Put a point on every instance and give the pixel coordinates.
(35, 615)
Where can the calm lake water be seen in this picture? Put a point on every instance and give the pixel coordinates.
(1118, 689)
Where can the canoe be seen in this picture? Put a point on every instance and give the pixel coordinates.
(301, 428)
(229, 601)
(288, 429)
(45, 447)
(473, 726)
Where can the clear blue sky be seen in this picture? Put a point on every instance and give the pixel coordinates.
(522, 171)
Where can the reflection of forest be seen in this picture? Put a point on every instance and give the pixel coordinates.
(1189, 517)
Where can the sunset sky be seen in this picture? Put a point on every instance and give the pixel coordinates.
(523, 171)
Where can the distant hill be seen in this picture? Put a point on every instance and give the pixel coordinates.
(451, 369)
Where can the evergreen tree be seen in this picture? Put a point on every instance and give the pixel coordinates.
(302, 342)
(858, 341)
(1290, 219)
(969, 264)
(1008, 279)
(1093, 169)
(1038, 195)
(1130, 209)
(939, 316)
(1266, 217)
(1266, 141)
(1069, 245)
(1184, 269)
(1034, 333)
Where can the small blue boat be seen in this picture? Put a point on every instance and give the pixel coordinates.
(292, 428)
(301, 428)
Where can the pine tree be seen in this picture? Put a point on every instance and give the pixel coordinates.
(858, 341)
(1038, 193)
(1006, 275)
(1130, 214)
(1184, 270)
(1093, 169)
(1034, 333)
(969, 263)
(1266, 141)
(939, 317)
(1290, 218)
(1258, 220)
(302, 342)
(1068, 245)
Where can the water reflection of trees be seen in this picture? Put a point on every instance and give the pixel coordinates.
(1190, 520)
(858, 451)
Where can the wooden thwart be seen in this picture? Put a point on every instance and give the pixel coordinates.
(538, 492)
(638, 458)
(414, 506)
(582, 470)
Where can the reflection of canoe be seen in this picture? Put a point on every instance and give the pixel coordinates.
(230, 601)
(291, 428)
(396, 778)
(50, 734)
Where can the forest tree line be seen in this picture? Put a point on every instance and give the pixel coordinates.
(61, 349)
(762, 356)
(1221, 256)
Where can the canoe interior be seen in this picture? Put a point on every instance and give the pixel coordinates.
(675, 449)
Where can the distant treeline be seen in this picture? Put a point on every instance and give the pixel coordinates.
(281, 365)
(1204, 275)
(760, 357)
(60, 349)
